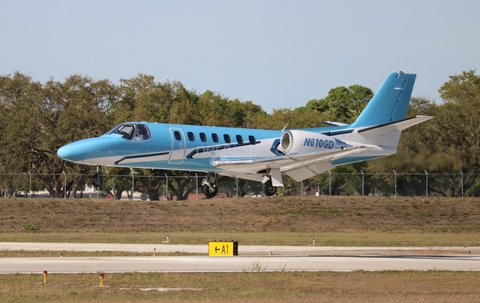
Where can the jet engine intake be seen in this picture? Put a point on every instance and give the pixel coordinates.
(300, 141)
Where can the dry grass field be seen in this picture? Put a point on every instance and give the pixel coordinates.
(338, 221)
(262, 287)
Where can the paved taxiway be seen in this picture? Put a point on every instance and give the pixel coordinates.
(251, 258)
(234, 264)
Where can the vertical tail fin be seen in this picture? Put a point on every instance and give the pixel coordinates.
(390, 103)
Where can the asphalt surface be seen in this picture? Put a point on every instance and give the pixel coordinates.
(256, 250)
(249, 259)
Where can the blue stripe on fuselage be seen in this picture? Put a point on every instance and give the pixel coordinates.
(141, 156)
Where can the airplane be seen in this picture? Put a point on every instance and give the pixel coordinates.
(254, 154)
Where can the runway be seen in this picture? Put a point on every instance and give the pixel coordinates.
(250, 259)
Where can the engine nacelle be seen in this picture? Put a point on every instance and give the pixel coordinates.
(300, 141)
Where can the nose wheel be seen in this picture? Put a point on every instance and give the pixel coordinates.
(97, 180)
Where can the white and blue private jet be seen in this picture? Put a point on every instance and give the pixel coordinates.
(255, 154)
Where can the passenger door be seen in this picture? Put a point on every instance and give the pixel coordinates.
(178, 151)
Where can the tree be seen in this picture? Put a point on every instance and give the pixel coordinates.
(415, 154)
(19, 99)
(342, 104)
(73, 110)
(289, 119)
(246, 114)
(447, 144)
(116, 182)
(39, 119)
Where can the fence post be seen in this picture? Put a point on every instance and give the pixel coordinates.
(133, 182)
(363, 182)
(426, 184)
(462, 182)
(330, 187)
(196, 187)
(64, 185)
(166, 187)
(97, 188)
(236, 187)
(395, 193)
(30, 190)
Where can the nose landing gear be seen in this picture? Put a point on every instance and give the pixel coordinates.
(97, 179)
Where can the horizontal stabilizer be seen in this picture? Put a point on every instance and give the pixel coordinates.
(394, 126)
(311, 166)
(332, 123)
(302, 173)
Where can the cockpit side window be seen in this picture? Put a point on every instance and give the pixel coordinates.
(137, 132)
(141, 132)
(126, 130)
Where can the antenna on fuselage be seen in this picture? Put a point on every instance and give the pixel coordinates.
(284, 127)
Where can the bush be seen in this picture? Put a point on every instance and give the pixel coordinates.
(30, 226)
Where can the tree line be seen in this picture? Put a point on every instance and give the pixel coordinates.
(38, 118)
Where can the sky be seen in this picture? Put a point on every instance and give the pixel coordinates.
(276, 53)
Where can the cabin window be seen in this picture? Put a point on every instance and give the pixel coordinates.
(203, 137)
(215, 138)
(227, 139)
(252, 139)
(177, 135)
(239, 139)
(191, 136)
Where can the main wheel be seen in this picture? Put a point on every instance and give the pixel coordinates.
(269, 189)
(97, 180)
(209, 194)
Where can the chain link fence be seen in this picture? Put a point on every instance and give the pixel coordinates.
(169, 187)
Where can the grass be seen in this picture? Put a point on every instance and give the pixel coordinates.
(252, 286)
(345, 238)
(275, 214)
(332, 221)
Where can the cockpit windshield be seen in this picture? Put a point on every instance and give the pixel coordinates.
(137, 132)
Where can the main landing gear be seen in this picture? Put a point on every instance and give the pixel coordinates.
(209, 185)
(268, 188)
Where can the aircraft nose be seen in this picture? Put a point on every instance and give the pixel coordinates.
(81, 151)
(72, 152)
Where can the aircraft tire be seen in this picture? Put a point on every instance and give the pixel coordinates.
(206, 191)
(97, 180)
(269, 189)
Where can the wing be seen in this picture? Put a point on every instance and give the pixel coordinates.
(299, 166)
